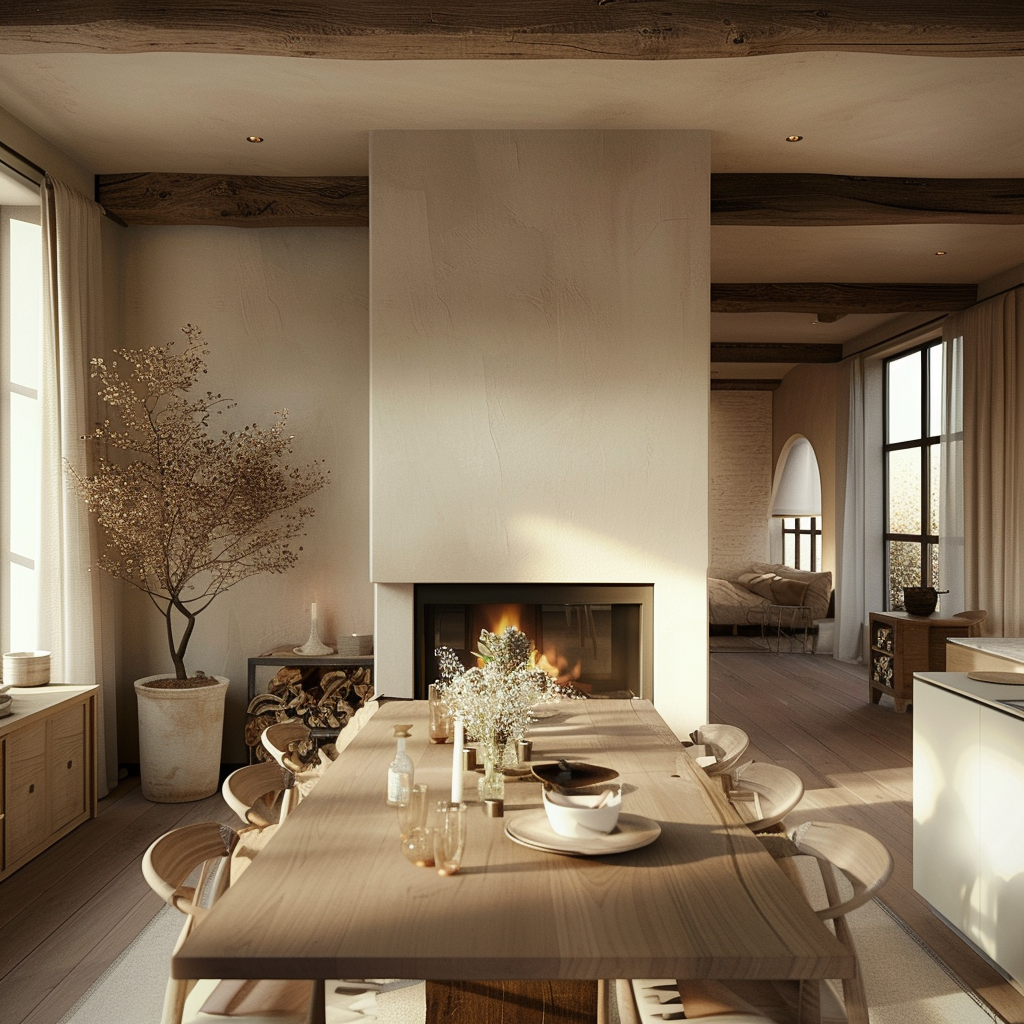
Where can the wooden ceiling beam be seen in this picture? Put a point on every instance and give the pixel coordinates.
(491, 29)
(841, 298)
(728, 352)
(235, 200)
(830, 200)
(756, 200)
(743, 384)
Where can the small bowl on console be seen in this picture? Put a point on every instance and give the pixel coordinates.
(581, 815)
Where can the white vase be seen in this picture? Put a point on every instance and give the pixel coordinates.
(180, 739)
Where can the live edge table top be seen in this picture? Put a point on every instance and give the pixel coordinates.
(331, 895)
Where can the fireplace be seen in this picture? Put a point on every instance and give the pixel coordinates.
(598, 638)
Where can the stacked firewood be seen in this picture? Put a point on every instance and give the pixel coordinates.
(321, 696)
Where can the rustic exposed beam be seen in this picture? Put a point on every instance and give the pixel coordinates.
(803, 200)
(235, 200)
(460, 29)
(841, 298)
(727, 352)
(743, 384)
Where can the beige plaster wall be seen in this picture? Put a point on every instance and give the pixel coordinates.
(740, 479)
(32, 146)
(807, 403)
(285, 313)
(539, 374)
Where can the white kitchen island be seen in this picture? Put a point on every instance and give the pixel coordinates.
(969, 810)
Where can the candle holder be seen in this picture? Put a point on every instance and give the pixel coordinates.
(314, 646)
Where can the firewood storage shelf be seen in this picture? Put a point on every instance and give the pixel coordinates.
(285, 657)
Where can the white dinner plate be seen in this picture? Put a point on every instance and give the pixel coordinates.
(630, 833)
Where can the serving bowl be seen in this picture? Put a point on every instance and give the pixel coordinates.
(579, 815)
(571, 775)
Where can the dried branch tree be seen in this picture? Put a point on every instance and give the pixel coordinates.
(191, 511)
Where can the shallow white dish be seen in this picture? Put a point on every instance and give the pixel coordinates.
(533, 829)
(577, 815)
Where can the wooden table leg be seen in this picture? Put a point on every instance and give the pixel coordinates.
(512, 1002)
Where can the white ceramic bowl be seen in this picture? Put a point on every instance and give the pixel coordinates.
(27, 668)
(577, 816)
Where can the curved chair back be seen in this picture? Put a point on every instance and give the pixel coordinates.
(857, 854)
(775, 791)
(176, 854)
(728, 742)
(254, 792)
(280, 738)
(975, 619)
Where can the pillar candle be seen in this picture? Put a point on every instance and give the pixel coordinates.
(312, 611)
(457, 762)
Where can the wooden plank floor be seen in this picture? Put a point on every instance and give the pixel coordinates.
(66, 916)
(811, 714)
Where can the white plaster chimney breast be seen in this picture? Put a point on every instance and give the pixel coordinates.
(539, 325)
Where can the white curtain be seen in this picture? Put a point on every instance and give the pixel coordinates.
(851, 589)
(71, 593)
(860, 586)
(993, 492)
(951, 470)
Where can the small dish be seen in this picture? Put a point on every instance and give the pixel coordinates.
(571, 775)
(580, 815)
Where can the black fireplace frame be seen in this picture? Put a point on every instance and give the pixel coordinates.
(641, 594)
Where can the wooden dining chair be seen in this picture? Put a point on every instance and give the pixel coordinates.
(291, 746)
(255, 792)
(728, 743)
(652, 1000)
(167, 866)
(763, 794)
(866, 865)
(975, 619)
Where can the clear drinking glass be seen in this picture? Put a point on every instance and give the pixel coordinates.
(449, 837)
(412, 812)
(418, 847)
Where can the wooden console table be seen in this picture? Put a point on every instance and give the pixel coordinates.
(902, 644)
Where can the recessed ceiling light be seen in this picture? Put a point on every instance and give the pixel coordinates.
(254, 138)
(940, 252)
(794, 138)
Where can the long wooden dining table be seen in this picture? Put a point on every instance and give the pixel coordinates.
(331, 895)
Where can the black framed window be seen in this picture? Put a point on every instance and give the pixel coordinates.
(913, 409)
(801, 543)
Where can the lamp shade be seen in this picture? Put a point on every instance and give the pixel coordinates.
(797, 490)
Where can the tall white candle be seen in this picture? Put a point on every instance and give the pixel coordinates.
(460, 738)
(312, 611)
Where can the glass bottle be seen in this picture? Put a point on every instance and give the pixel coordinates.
(400, 771)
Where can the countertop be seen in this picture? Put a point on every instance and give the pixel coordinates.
(1011, 647)
(993, 694)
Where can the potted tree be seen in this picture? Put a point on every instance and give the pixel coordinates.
(187, 512)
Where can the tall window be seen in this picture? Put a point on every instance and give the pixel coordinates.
(801, 542)
(20, 342)
(913, 382)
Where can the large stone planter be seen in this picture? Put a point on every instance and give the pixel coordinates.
(180, 740)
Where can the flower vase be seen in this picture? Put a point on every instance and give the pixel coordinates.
(496, 759)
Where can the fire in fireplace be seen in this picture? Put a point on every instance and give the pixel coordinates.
(599, 638)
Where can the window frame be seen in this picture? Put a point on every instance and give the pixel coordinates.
(925, 443)
(796, 531)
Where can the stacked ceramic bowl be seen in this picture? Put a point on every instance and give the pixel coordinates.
(27, 668)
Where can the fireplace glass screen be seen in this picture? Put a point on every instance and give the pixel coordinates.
(597, 639)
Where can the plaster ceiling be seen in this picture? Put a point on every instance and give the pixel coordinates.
(863, 114)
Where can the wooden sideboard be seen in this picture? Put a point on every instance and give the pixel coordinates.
(47, 769)
(902, 644)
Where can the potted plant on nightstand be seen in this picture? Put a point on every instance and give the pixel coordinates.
(187, 513)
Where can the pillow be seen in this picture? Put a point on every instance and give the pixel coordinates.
(774, 588)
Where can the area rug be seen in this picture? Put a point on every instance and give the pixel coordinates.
(905, 983)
